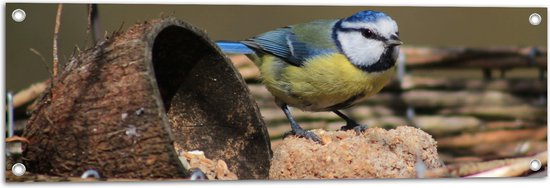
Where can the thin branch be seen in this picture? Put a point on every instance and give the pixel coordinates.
(119, 30)
(93, 23)
(496, 168)
(42, 58)
(55, 36)
(18, 138)
(29, 94)
(88, 25)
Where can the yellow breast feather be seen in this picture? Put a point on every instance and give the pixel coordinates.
(322, 81)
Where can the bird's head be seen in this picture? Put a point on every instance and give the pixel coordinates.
(366, 37)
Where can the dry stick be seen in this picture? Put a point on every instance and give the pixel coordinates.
(493, 57)
(27, 95)
(513, 85)
(55, 54)
(495, 168)
(55, 36)
(119, 30)
(497, 137)
(89, 26)
(42, 58)
(93, 23)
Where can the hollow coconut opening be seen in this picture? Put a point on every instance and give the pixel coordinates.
(206, 103)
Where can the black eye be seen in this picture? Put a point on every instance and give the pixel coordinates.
(367, 33)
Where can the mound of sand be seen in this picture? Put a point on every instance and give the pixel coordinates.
(212, 170)
(376, 153)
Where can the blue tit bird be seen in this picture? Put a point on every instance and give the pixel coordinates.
(325, 65)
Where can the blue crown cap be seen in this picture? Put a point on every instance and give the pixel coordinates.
(366, 16)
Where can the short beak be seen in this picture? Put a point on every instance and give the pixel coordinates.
(394, 41)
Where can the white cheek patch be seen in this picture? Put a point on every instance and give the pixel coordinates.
(359, 50)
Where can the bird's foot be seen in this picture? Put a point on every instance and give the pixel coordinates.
(355, 126)
(304, 134)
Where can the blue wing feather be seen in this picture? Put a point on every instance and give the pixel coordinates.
(296, 43)
(229, 47)
(282, 43)
(299, 50)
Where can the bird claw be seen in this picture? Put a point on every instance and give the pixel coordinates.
(356, 127)
(360, 129)
(304, 134)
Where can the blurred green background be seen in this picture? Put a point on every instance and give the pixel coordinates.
(419, 26)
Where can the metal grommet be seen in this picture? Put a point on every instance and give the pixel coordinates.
(18, 169)
(535, 19)
(90, 173)
(18, 15)
(535, 165)
(197, 174)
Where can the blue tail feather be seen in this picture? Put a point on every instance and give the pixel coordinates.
(229, 47)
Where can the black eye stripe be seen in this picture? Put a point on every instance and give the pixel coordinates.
(350, 29)
(375, 35)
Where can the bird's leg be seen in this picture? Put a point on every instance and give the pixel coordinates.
(296, 129)
(350, 123)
